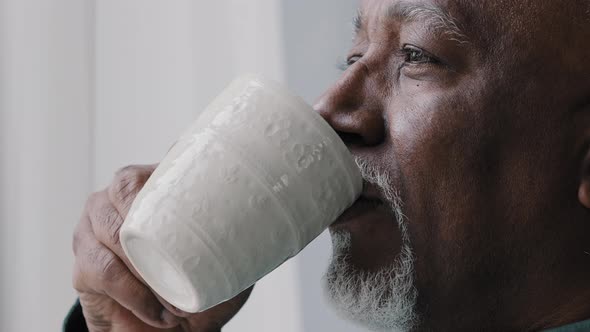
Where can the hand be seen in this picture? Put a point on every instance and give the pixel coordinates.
(112, 294)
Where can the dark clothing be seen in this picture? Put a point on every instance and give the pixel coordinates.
(75, 322)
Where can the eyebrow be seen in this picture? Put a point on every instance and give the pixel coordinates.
(357, 22)
(435, 19)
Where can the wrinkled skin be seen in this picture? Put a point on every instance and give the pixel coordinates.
(112, 294)
(488, 146)
(487, 141)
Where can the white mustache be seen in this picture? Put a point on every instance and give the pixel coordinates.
(383, 181)
(384, 300)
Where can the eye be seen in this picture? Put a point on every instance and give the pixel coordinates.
(415, 55)
(349, 62)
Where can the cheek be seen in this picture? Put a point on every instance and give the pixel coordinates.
(440, 148)
(428, 130)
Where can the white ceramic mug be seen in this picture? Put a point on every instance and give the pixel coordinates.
(256, 178)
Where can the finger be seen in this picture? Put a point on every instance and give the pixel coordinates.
(100, 271)
(127, 183)
(82, 235)
(106, 224)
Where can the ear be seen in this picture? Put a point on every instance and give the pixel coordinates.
(584, 189)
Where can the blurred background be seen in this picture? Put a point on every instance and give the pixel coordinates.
(89, 86)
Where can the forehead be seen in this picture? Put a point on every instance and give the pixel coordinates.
(378, 9)
(485, 15)
(490, 20)
(434, 17)
(442, 18)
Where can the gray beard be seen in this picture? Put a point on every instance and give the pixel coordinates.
(381, 301)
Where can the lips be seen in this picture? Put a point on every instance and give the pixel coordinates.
(368, 203)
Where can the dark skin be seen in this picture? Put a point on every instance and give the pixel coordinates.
(487, 140)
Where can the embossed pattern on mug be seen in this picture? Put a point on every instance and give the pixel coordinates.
(252, 182)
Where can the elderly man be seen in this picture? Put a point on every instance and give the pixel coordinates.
(471, 122)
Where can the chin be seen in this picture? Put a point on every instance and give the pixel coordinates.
(374, 289)
(375, 237)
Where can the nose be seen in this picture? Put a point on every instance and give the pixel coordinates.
(352, 107)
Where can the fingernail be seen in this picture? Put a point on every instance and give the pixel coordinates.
(169, 318)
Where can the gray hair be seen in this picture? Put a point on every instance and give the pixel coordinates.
(384, 300)
(434, 17)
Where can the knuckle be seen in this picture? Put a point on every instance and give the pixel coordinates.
(106, 223)
(114, 224)
(80, 234)
(78, 279)
(109, 267)
(112, 270)
(128, 180)
(76, 241)
(105, 219)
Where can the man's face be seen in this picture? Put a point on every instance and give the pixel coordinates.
(473, 111)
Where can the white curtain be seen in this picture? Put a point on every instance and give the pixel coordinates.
(44, 153)
(89, 86)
